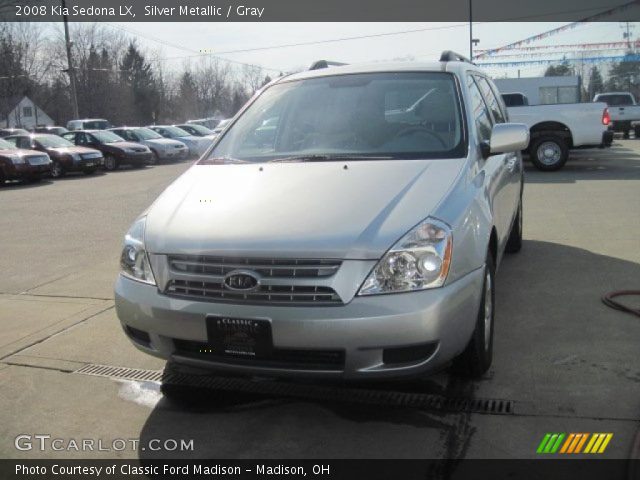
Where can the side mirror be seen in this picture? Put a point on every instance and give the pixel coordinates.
(507, 137)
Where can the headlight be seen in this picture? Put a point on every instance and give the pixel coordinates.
(418, 261)
(17, 159)
(134, 260)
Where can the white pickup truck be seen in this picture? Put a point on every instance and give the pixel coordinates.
(623, 111)
(555, 129)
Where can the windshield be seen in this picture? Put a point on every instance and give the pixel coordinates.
(389, 115)
(172, 132)
(616, 100)
(4, 145)
(53, 141)
(107, 137)
(146, 134)
(198, 129)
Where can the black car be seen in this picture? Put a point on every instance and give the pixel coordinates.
(116, 150)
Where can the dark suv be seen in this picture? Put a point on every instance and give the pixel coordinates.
(116, 150)
(18, 164)
(66, 157)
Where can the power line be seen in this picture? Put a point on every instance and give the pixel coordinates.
(180, 47)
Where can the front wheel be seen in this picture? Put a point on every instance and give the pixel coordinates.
(110, 163)
(56, 170)
(549, 153)
(476, 358)
(155, 158)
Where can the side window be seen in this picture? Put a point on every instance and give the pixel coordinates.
(81, 139)
(492, 101)
(479, 111)
(70, 136)
(23, 142)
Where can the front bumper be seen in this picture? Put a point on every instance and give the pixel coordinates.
(364, 329)
(25, 170)
(137, 158)
(174, 153)
(87, 164)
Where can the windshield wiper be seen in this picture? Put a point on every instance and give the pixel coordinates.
(220, 161)
(328, 158)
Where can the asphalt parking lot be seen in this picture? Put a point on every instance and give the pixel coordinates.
(565, 361)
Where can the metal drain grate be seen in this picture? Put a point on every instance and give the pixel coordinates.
(343, 394)
(121, 372)
(327, 393)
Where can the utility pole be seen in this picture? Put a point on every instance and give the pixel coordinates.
(470, 31)
(70, 70)
(627, 33)
(473, 42)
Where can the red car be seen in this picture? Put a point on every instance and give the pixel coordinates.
(19, 164)
(66, 157)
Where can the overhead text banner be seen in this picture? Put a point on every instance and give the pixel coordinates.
(317, 10)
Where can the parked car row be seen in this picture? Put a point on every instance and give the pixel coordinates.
(89, 144)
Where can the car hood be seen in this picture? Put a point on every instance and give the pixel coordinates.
(349, 210)
(164, 142)
(189, 140)
(124, 145)
(20, 152)
(70, 150)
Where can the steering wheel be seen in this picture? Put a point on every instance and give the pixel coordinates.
(419, 129)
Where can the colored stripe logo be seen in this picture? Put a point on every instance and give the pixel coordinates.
(574, 443)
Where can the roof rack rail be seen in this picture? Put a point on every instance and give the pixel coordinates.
(451, 56)
(325, 64)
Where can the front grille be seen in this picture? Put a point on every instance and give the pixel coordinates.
(282, 294)
(266, 267)
(279, 357)
(283, 281)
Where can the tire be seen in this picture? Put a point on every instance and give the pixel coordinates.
(110, 163)
(549, 152)
(478, 355)
(636, 131)
(514, 243)
(56, 170)
(155, 159)
(625, 133)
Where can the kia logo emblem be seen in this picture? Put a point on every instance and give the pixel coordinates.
(240, 280)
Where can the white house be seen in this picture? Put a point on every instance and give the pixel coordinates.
(543, 90)
(20, 111)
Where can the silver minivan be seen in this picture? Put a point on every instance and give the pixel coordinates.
(356, 237)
